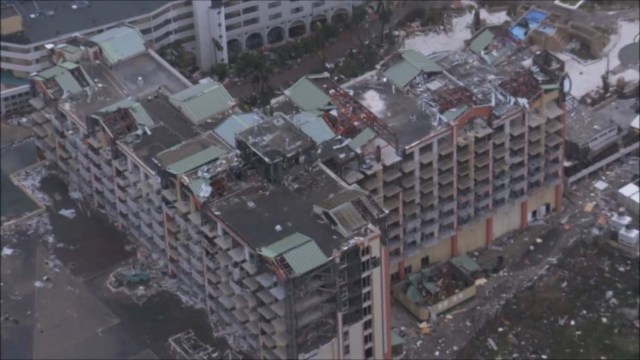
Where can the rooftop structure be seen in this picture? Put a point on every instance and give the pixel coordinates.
(203, 101)
(119, 44)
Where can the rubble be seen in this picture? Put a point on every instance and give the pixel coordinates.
(7, 251)
(68, 213)
(29, 179)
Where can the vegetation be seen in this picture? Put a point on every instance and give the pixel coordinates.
(384, 15)
(433, 17)
(358, 61)
(220, 71)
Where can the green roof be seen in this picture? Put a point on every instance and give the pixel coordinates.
(314, 126)
(362, 138)
(396, 339)
(481, 41)
(412, 63)
(7, 78)
(420, 61)
(550, 86)
(307, 96)
(202, 101)
(196, 160)
(120, 43)
(413, 294)
(466, 263)
(139, 113)
(401, 73)
(453, 114)
(234, 124)
(305, 258)
(63, 77)
(300, 252)
(195, 185)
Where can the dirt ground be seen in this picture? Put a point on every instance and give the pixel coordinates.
(554, 269)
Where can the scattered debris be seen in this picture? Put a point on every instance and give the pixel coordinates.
(589, 207)
(7, 251)
(492, 345)
(600, 185)
(68, 213)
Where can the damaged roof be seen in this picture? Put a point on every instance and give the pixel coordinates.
(203, 101)
(411, 65)
(314, 126)
(120, 43)
(234, 124)
(481, 41)
(196, 160)
(300, 252)
(61, 73)
(139, 113)
(307, 96)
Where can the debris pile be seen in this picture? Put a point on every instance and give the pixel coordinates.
(30, 178)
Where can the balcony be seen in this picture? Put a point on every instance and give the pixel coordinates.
(391, 190)
(445, 148)
(481, 146)
(409, 181)
(517, 129)
(516, 143)
(391, 204)
(427, 157)
(499, 137)
(464, 154)
(408, 166)
(426, 172)
(553, 140)
(410, 195)
(464, 182)
(445, 178)
(371, 183)
(445, 163)
(183, 206)
(445, 191)
(536, 148)
(482, 173)
(553, 126)
(535, 134)
(391, 174)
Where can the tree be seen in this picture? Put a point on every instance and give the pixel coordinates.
(221, 71)
(384, 15)
(605, 84)
(477, 23)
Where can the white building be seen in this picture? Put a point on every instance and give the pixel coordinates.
(15, 94)
(224, 27)
(27, 26)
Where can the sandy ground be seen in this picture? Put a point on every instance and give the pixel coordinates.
(474, 321)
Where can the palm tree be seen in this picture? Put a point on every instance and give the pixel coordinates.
(260, 79)
(384, 14)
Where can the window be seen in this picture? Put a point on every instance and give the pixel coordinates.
(366, 281)
(368, 353)
(366, 296)
(232, 14)
(424, 262)
(345, 336)
(366, 265)
(252, 21)
(365, 251)
(274, 4)
(368, 338)
(297, 9)
(366, 310)
(250, 9)
(346, 349)
(394, 277)
(275, 16)
(317, 3)
(407, 269)
(233, 26)
(367, 324)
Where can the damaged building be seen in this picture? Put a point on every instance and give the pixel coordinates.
(459, 148)
(235, 206)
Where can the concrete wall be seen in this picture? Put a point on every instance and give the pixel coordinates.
(540, 198)
(356, 342)
(472, 236)
(438, 252)
(506, 219)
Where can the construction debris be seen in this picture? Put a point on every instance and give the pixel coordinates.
(7, 251)
(68, 213)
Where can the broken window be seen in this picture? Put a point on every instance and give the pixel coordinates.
(366, 310)
(366, 296)
(367, 324)
(368, 338)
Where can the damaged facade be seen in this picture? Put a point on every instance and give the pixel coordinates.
(291, 227)
(235, 206)
(459, 148)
